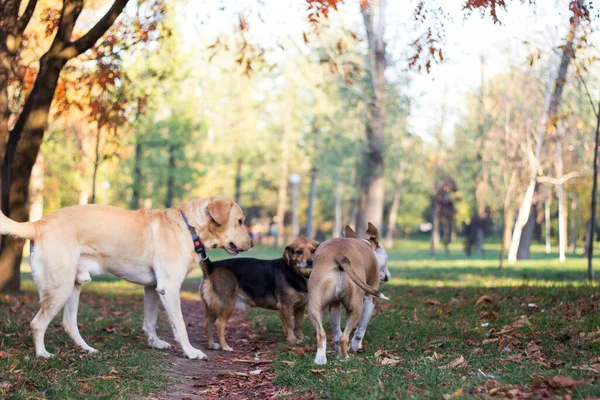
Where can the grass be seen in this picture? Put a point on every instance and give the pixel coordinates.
(431, 320)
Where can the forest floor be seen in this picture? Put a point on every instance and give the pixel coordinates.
(454, 327)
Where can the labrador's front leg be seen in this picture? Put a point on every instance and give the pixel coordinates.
(169, 295)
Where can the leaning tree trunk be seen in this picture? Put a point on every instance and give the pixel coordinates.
(549, 119)
(312, 199)
(373, 182)
(527, 236)
(25, 138)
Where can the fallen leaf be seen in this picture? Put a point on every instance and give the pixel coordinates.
(317, 371)
(289, 363)
(380, 382)
(484, 299)
(433, 301)
(559, 382)
(458, 362)
(415, 318)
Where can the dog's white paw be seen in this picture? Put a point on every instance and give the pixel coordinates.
(227, 348)
(320, 360)
(195, 354)
(44, 354)
(90, 349)
(157, 343)
(355, 345)
(214, 346)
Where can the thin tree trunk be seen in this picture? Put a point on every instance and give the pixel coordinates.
(170, 178)
(373, 181)
(562, 217)
(527, 236)
(295, 226)
(573, 241)
(435, 230)
(283, 182)
(238, 180)
(134, 204)
(547, 219)
(96, 165)
(310, 212)
(392, 218)
(509, 215)
(481, 188)
(592, 225)
(337, 226)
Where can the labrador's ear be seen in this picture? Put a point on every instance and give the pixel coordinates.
(219, 210)
(373, 234)
(349, 232)
(287, 255)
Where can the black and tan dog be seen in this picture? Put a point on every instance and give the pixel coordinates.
(278, 284)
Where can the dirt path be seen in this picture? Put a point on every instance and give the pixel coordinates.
(245, 373)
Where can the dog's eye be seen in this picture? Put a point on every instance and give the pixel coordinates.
(299, 252)
(240, 221)
(313, 251)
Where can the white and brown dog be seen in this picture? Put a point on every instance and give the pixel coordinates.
(346, 271)
(151, 248)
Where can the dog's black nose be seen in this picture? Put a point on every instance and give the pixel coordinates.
(385, 278)
(309, 262)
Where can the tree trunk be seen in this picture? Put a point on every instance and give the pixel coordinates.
(527, 236)
(295, 226)
(481, 184)
(435, 230)
(547, 219)
(562, 217)
(283, 187)
(507, 225)
(573, 241)
(547, 123)
(26, 137)
(310, 212)
(592, 224)
(337, 226)
(373, 182)
(134, 204)
(170, 178)
(238, 180)
(96, 165)
(392, 218)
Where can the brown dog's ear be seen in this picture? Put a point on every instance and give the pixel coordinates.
(349, 232)
(287, 255)
(219, 210)
(373, 234)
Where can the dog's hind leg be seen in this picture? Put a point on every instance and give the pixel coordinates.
(315, 315)
(69, 321)
(335, 316)
(209, 324)
(359, 334)
(352, 318)
(52, 301)
(151, 300)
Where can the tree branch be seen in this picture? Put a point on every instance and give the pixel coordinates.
(91, 37)
(561, 180)
(24, 20)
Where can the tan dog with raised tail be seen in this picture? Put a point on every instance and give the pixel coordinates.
(346, 271)
(151, 248)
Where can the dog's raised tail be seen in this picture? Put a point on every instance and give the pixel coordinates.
(346, 266)
(24, 230)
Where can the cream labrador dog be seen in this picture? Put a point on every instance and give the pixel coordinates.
(152, 248)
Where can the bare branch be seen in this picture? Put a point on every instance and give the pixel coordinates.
(561, 180)
(587, 91)
(24, 20)
(91, 37)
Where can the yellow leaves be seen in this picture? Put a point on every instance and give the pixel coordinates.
(459, 393)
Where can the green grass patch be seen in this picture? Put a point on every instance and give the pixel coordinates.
(542, 322)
